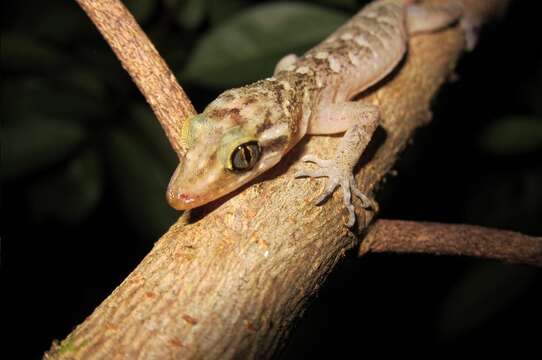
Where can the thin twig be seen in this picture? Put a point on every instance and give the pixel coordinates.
(146, 67)
(451, 239)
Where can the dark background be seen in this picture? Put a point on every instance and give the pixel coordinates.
(85, 165)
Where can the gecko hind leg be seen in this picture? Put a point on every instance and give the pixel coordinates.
(360, 121)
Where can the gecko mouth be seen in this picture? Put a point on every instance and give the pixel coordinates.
(192, 194)
(189, 194)
(185, 201)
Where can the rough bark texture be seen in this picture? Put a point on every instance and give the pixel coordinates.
(146, 67)
(451, 239)
(230, 284)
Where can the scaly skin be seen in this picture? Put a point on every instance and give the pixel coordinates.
(247, 130)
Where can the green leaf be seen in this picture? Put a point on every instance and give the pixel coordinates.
(83, 79)
(70, 195)
(35, 97)
(105, 67)
(221, 11)
(246, 47)
(140, 183)
(22, 52)
(513, 135)
(34, 143)
(485, 290)
(345, 4)
(170, 4)
(141, 9)
(191, 13)
(62, 22)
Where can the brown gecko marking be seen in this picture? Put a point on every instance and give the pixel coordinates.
(247, 130)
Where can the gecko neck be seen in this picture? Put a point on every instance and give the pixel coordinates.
(296, 94)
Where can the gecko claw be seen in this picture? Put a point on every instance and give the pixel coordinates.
(336, 177)
(366, 202)
(330, 188)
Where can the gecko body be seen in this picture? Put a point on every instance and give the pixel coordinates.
(247, 130)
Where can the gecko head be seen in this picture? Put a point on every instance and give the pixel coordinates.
(236, 138)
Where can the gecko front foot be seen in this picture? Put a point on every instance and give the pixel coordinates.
(337, 176)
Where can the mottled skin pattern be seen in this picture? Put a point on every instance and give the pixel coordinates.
(307, 95)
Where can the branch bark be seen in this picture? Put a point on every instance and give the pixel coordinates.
(450, 239)
(140, 59)
(230, 284)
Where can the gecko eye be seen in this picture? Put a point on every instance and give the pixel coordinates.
(245, 156)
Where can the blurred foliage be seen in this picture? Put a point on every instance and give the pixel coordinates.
(247, 46)
(78, 138)
(79, 184)
(485, 290)
(139, 181)
(513, 135)
(68, 110)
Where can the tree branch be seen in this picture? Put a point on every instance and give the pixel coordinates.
(146, 67)
(451, 239)
(230, 284)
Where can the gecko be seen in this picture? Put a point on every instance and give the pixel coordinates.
(247, 130)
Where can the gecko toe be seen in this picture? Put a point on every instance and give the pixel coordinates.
(347, 201)
(329, 189)
(366, 202)
(337, 177)
(351, 216)
(310, 173)
(348, 187)
(316, 160)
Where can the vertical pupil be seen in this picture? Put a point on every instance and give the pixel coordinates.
(247, 155)
(244, 156)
